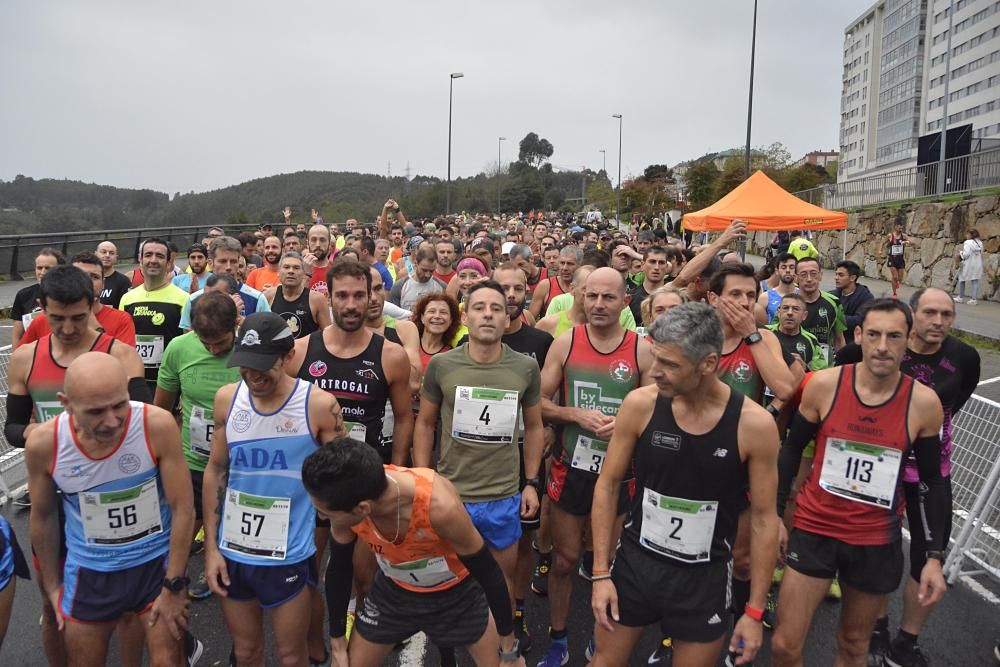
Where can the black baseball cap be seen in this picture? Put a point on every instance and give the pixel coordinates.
(263, 338)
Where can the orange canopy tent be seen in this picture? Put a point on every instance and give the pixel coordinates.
(764, 205)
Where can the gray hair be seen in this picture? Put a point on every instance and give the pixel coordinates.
(520, 250)
(693, 327)
(291, 254)
(574, 251)
(224, 243)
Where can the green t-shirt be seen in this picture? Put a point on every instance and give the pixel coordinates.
(196, 374)
(480, 404)
(565, 302)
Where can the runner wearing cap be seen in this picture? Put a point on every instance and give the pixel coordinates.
(194, 278)
(258, 519)
(429, 554)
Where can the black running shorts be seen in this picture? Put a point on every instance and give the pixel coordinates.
(874, 569)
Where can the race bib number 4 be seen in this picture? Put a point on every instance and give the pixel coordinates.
(200, 427)
(488, 416)
(425, 573)
(150, 349)
(121, 517)
(256, 525)
(589, 454)
(861, 472)
(678, 528)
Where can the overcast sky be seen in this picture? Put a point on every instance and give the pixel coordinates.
(180, 96)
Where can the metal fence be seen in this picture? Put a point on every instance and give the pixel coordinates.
(17, 251)
(13, 474)
(967, 173)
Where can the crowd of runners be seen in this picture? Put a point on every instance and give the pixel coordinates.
(379, 429)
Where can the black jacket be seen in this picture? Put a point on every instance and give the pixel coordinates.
(852, 306)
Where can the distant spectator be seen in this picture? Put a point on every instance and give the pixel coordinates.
(852, 294)
(971, 270)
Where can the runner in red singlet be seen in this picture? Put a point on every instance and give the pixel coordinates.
(570, 257)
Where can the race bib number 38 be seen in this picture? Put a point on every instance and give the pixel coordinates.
(861, 472)
(483, 415)
(256, 525)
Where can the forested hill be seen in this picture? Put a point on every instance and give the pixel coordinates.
(46, 205)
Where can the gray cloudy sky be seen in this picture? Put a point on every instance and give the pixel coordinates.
(181, 96)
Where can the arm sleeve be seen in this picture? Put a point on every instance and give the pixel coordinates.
(339, 575)
(18, 416)
(849, 354)
(262, 305)
(485, 570)
(394, 311)
(799, 434)
(138, 390)
(935, 492)
(970, 378)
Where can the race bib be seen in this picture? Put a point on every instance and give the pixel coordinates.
(200, 427)
(356, 430)
(121, 517)
(896, 250)
(256, 525)
(825, 349)
(861, 472)
(484, 415)
(150, 349)
(589, 453)
(28, 317)
(388, 421)
(678, 528)
(46, 410)
(425, 573)
(641, 331)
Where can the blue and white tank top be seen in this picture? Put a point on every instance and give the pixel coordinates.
(116, 514)
(268, 518)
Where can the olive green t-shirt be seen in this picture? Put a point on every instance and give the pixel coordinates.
(480, 404)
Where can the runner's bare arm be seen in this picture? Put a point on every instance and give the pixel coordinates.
(644, 355)
(294, 365)
(175, 476)
(325, 416)
(423, 432)
(700, 262)
(130, 360)
(44, 521)
(538, 299)
(552, 376)
(165, 399)
(396, 363)
(217, 469)
(410, 337)
(320, 308)
(773, 369)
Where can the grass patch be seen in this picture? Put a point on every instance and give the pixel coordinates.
(976, 341)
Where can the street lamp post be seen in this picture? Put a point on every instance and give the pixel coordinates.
(742, 243)
(604, 160)
(618, 205)
(451, 85)
(500, 140)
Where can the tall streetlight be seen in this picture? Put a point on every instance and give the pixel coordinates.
(618, 205)
(451, 85)
(500, 140)
(742, 243)
(604, 160)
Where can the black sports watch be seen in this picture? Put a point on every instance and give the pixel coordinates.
(755, 337)
(513, 654)
(176, 584)
(936, 555)
(534, 482)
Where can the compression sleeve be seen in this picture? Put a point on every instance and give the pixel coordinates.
(485, 570)
(339, 576)
(18, 416)
(138, 390)
(935, 496)
(790, 457)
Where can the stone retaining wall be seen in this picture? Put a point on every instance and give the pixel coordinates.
(936, 232)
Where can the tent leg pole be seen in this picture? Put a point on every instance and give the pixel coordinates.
(843, 247)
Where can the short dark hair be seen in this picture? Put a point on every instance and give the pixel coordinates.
(155, 240)
(247, 238)
(66, 284)
(798, 263)
(368, 244)
(489, 283)
(885, 305)
(654, 250)
(343, 267)
(213, 314)
(85, 257)
(714, 266)
(343, 473)
(852, 268)
(795, 296)
(718, 282)
(784, 257)
(232, 287)
(52, 252)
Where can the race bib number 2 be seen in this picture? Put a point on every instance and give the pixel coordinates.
(678, 528)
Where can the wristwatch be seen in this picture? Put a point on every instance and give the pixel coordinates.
(534, 482)
(513, 654)
(755, 337)
(936, 555)
(176, 584)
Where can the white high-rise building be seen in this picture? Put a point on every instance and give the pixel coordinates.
(893, 80)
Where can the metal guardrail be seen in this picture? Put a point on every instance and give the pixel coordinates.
(968, 173)
(17, 251)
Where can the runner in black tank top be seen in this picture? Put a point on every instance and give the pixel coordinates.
(358, 383)
(296, 313)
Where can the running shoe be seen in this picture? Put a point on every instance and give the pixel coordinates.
(878, 646)
(198, 545)
(557, 656)
(521, 633)
(903, 653)
(834, 592)
(770, 611)
(540, 579)
(199, 590)
(591, 649)
(586, 569)
(24, 500)
(193, 648)
(663, 655)
(959, 299)
(971, 302)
